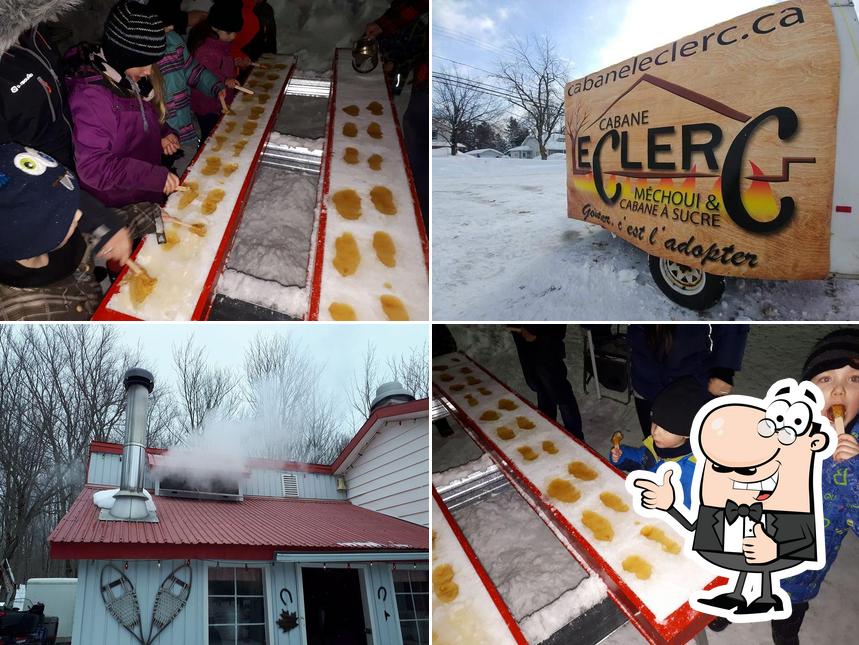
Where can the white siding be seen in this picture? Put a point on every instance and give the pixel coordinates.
(94, 626)
(391, 475)
(267, 483)
(105, 469)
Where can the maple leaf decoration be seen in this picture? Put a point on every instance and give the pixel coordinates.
(287, 620)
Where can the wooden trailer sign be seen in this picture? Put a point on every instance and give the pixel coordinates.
(716, 151)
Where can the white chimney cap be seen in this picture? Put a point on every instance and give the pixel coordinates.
(390, 393)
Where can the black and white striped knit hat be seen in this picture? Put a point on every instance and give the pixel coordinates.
(133, 36)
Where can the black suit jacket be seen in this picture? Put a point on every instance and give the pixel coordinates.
(793, 532)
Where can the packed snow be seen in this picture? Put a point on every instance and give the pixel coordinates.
(673, 578)
(530, 567)
(407, 279)
(459, 475)
(181, 271)
(268, 263)
(504, 249)
(564, 609)
(105, 499)
(472, 616)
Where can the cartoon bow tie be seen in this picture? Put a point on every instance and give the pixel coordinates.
(734, 510)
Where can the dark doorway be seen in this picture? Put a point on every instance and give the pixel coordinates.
(333, 607)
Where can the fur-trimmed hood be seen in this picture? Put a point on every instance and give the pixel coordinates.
(21, 15)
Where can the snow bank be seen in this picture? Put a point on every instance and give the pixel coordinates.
(517, 256)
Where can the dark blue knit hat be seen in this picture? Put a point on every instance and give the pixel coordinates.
(38, 202)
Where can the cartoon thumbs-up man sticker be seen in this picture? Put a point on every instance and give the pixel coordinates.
(756, 506)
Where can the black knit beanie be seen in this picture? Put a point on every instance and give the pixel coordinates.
(833, 351)
(226, 15)
(675, 407)
(133, 36)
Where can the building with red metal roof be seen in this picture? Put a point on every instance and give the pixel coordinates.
(286, 552)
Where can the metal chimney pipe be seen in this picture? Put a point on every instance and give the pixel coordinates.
(130, 502)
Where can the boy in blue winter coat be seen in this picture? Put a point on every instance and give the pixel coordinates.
(671, 421)
(833, 366)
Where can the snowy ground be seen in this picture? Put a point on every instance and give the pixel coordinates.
(504, 249)
(772, 352)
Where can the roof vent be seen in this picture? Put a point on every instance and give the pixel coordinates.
(390, 393)
(289, 484)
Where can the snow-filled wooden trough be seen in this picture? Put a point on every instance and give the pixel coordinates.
(466, 605)
(371, 258)
(583, 498)
(188, 266)
(372, 267)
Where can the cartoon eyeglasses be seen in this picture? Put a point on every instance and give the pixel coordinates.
(786, 420)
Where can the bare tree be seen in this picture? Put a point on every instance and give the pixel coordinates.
(364, 385)
(459, 105)
(60, 389)
(202, 388)
(412, 371)
(534, 76)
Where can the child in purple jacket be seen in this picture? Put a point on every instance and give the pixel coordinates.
(119, 119)
(209, 42)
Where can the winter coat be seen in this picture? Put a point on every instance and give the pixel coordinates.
(701, 351)
(400, 15)
(215, 56)
(265, 42)
(74, 297)
(840, 489)
(32, 104)
(250, 28)
(181, 71)
(645, 458)
(117, 138)
(36, 116)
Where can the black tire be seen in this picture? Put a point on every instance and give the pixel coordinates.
(688, 287)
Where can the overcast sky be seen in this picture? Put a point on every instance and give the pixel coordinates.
(340, 346)
(589, 34)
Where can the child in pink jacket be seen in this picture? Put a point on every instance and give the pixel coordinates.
(209, 43)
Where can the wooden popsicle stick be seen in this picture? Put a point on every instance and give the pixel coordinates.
(136, 268)
(839, 425)
(240, 88)
(180, 222)
(182, 189)
(224, 107)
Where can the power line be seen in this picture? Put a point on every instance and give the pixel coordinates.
(468, 40)
(450, 60)
(475, 85)
(468, 79)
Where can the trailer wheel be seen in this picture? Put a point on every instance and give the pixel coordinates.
(688, 287)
